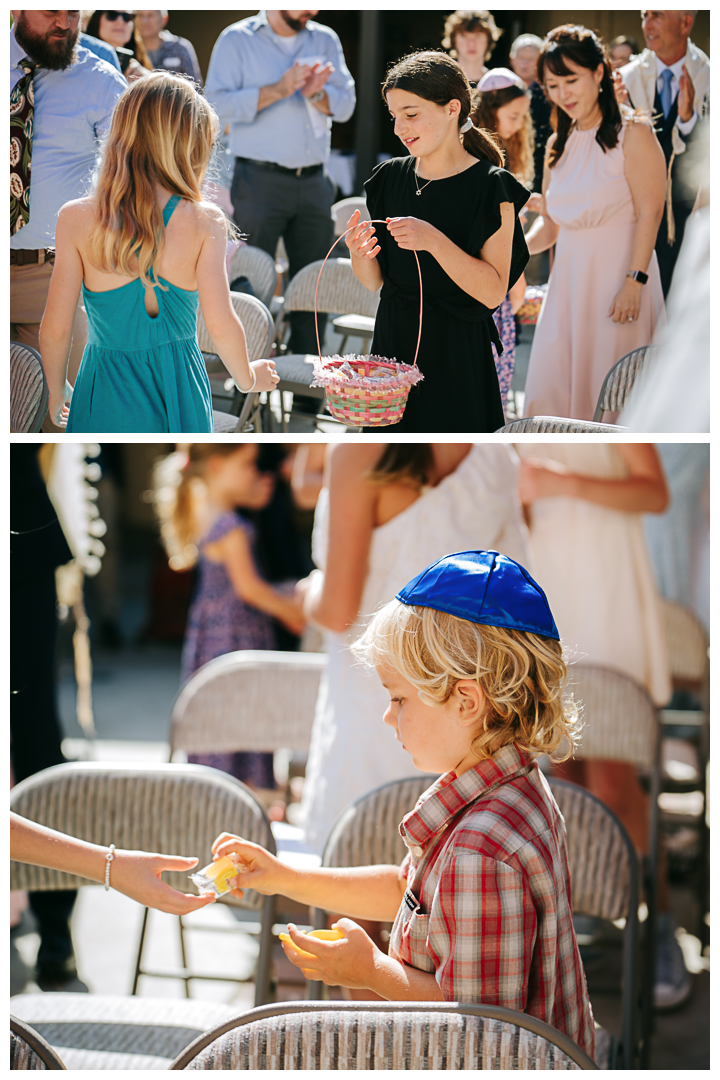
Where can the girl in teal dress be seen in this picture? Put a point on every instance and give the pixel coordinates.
(143, 248)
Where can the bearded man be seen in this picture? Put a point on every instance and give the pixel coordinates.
(61, 100)
(279, 79)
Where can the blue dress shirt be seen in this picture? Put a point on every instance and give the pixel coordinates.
(249, 55)
(100, 48)
(73, 109)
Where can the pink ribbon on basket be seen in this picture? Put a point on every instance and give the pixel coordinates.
(372, 221)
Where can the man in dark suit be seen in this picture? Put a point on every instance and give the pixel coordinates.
(671, 80)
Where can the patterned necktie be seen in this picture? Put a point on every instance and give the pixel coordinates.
(666, 92)
(22, 102)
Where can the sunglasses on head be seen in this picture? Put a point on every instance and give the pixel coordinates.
(113, 16)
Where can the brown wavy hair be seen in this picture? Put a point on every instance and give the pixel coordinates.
(523, 676)
(162, 132)
(403, 463)
(584, 48)
(435, 76)
(471, 22)
(519, 149)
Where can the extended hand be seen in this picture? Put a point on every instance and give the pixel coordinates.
(626, 305)
(686, 96)
(262, 871)
(412, 234)
(319, 75)
(293, 79)
(137, 875)
(348, 962)
(362, 241)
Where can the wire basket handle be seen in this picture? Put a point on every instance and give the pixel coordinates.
(372, 221)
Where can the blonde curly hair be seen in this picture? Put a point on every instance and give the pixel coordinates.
(522, 675)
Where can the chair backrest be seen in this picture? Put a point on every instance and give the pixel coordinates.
(620, 380)
(687, 643)
(28, 1050)
(28, 389)
(559, 424)
(173, 809)
(366, 834)
(258, 267)
(248, 700)
(620, 721)
(343, 210)
(421, 1035)
(601, 858)
(257, 323)
(340, 291)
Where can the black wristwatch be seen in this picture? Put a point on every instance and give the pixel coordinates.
(639, 275)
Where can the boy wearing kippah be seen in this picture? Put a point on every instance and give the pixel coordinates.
(470, 655)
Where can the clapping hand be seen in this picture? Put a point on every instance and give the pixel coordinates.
(621, 94)
(319, 75)
(686, 97)
(294, 79)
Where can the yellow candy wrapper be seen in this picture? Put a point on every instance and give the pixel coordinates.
(215, 878)
(323, 935)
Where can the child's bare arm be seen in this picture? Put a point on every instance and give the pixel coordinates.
(363, 892)
(223, 325)
(57, 323)
(356, 962)
(234, 551)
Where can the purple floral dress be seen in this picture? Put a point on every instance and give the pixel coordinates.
(220, 622)
(505, 364)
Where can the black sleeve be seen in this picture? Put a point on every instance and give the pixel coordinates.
(501, 186)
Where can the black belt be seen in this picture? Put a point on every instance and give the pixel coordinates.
(27, 257)
(304, 170)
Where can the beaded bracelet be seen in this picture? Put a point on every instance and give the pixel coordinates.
(251, 387)
(108, 859)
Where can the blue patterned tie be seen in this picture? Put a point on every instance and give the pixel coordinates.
(666, 92)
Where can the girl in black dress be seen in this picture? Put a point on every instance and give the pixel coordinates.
(452, 202)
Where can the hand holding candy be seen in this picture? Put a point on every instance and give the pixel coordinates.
(347, 962)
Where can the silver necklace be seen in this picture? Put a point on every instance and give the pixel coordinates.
(419, 190)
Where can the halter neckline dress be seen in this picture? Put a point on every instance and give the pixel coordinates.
(142, 373)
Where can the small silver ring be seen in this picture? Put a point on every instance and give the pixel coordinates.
(630, 318)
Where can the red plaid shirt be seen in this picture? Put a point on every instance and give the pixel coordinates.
(488, 906)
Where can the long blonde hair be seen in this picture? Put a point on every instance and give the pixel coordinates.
(162, 132)
(522, 675)
(177, 493)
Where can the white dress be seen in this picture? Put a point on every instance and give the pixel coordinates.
(352, 751)
(594, 566)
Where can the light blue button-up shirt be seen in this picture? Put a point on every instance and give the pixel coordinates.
(249, 55)
(72, 112)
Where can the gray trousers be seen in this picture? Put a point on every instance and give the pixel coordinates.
(271, 204)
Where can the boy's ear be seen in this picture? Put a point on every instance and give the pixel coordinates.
(468, 701)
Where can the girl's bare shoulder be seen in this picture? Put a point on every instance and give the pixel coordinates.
(209, 216)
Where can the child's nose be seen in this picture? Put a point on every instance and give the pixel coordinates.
(389, 717)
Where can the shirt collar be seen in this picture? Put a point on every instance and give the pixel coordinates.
(676, 68)
(259, 20)
(452, 794)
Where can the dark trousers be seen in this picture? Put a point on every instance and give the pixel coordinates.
(271, 204)
(35, 734)
(667, 254)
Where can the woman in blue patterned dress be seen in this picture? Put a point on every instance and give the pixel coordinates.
(200, 496)
(501, 104)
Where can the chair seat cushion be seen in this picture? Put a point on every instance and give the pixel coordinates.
(94, 1032)
(363, 324)
(296, 374)
(223, 421)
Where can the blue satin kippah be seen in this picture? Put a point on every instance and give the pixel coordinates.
(483, 587)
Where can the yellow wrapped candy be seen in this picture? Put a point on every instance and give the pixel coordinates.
(323, 935)
(215, 878)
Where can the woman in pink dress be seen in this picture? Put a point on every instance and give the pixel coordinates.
(603, 196)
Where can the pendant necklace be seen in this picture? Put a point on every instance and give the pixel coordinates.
(419, 190)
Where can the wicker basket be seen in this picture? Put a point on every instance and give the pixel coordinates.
(364, 406)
